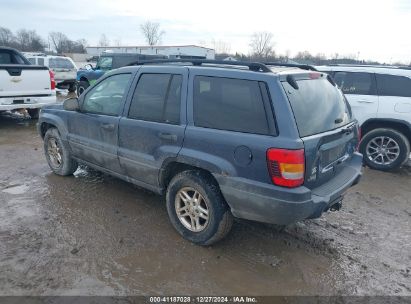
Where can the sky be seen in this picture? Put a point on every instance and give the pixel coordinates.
(368, 29)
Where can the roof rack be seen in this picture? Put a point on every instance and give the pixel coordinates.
(253, 66)
(292, 65)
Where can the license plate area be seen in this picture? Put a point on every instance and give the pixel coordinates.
(331, 155)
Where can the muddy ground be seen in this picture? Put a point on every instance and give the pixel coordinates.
(91, 234)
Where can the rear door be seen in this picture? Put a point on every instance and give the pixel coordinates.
(93, 131)
(152, 129)
(325, 125)
(361, 92)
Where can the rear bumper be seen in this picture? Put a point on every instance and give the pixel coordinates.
(271, 204)
(35, 102)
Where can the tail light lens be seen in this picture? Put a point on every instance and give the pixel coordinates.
(286, 167)
(52, 80)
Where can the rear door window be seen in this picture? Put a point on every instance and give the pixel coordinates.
(157, 98)
(318, 106)
(229, 104)
(391, 85)
(358, 83)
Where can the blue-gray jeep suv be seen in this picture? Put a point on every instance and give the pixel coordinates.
(263, 142)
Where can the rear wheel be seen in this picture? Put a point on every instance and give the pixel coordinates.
(385, 149)
(82, 86)
(57, 154)
(34, 113)
(197, 209)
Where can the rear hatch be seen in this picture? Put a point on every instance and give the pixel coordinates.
(325, 124)
(62, 68)
(24, 80)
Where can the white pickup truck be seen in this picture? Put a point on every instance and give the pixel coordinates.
(24, 86)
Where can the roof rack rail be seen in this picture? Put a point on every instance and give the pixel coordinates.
(292, 65)
(253, 66)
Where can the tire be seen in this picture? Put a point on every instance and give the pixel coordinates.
(220, 219)
(66, 165)
(34, 113)
(377, 144)
(72, 88)
(82, 86)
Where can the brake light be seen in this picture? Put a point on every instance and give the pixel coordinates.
(315, 75)
(286, 167)
(52, 80)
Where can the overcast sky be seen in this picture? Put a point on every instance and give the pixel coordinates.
(370, 29)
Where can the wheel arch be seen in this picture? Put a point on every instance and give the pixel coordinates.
(401, 126)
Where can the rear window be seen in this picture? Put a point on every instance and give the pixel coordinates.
(229, 104)
(390, 85)
(60, 63)
(318, 106)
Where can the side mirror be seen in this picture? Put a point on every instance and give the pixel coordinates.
(71, 104)
(88, 67)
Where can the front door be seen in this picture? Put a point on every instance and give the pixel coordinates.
(151, 130)
(93, 131)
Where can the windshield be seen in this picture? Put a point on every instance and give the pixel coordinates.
(60, 63)
(105, 63)
(318, 106)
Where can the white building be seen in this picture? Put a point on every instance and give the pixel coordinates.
(177, 51)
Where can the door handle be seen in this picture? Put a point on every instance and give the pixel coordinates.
(365, 101)
(167, 136)
(107, 126)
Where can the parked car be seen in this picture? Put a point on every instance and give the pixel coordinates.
(22, 85)
(64, 69)
(106, 62)
(380, 98)
(219, 140)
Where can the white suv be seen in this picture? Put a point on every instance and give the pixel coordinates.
(64, 69)
(380, 98)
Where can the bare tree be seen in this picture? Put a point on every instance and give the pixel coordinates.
(59, 41)
(29, 41)
(221, 47)
(152, 32)
(262, 45)
(6, 37)
(104, 41)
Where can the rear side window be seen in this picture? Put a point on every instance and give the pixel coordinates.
(60, 63)
(40, 61)
(390, 85)
(318, 106)
(355, 83)
(32, 60)
(229, 104)
(157, 98)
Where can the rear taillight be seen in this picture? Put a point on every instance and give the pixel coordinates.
(286, 167)
(52, 80)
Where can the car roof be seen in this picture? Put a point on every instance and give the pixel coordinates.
(391, 70)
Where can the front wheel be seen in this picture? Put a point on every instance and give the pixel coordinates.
(197, 209)
(385, 149)
(57, 154)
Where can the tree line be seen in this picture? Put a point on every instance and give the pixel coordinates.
(29, 41)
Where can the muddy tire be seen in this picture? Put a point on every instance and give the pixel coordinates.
(385, 149)
(81, 87)
(197, 209)
(57, 154)
(34, 113)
